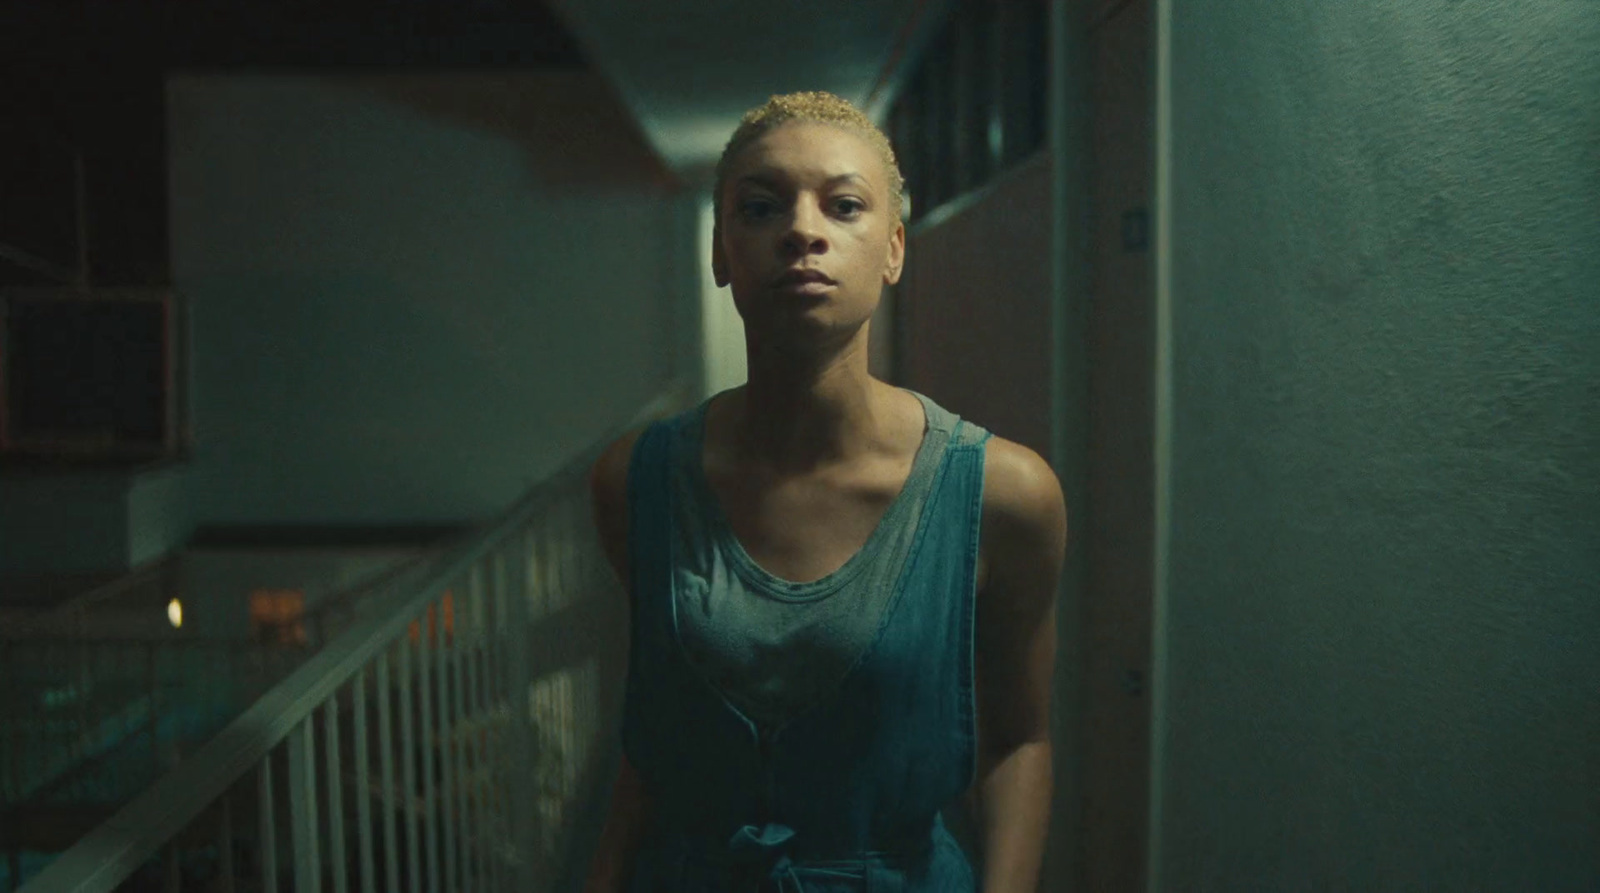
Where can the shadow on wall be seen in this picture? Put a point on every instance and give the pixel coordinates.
(576, 133)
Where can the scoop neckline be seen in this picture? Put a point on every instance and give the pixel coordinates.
(756, 575)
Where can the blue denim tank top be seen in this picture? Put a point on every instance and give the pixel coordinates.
(802, 736)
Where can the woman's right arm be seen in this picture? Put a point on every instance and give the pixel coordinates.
(618, 851)
(623, 833)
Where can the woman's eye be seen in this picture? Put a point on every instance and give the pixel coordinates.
(761, 207)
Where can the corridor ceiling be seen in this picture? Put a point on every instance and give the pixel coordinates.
(688, 70)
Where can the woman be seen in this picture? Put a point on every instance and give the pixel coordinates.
(841, 595)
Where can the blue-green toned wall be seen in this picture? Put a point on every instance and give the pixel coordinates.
(1381, 609)
(395, 320)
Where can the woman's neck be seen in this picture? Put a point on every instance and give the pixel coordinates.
(794, 426)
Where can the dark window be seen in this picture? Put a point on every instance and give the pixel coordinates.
(939, 105)
(913, 144)
(90, 371)
(1038, 76)
(975, 72)
(1024, 79)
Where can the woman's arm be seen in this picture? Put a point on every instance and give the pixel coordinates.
(1025, 520)
(618, 850)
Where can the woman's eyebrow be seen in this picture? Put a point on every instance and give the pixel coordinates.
(774, 180)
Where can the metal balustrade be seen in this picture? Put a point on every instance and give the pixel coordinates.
(445, 739)
(71, 702)
(91, 720)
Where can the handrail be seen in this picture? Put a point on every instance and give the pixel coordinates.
(72, 608)
(82, 657)
(110, 853)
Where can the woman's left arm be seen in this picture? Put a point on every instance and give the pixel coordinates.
(1026, 524)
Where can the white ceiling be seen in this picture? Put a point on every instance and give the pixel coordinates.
(688, 70)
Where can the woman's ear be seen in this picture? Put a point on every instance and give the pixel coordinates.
(897, 255)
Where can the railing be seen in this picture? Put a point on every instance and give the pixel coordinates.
(69, 702)
(448, 740)
(71, 697)
(70, 615)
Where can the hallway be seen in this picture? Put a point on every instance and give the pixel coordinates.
(1298, 303)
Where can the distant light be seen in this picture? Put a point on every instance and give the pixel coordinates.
(175, 613)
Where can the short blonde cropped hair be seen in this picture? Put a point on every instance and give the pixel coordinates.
(818, 106)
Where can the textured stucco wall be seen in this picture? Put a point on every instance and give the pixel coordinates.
(975, 300)
(1383, 608)
(395, 320)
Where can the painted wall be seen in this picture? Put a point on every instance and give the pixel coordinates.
(398, 317)
(1118, 523)
(1379, 620)
(974, 304)
(725, 360)
(975, 299)
(410, 296)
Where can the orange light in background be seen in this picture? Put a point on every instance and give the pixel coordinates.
(414, 631)
(278, 615)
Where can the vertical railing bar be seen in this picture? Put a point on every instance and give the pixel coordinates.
(267, 836)
(363, 756)
(408, 771)
(519, 728)
(427, 742)
(486, 710)
(463, 721)
(494, 688)
(330, 738)
(479, 725)
(303, 806)
(482, 707)
(225, 844)
(391, 846)
(447, 738)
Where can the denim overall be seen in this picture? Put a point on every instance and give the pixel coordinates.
(844, 793)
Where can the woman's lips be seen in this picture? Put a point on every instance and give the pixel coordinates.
(805, 286)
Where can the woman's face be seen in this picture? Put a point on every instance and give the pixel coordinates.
(813, 196)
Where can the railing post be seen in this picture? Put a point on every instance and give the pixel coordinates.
(330, 738)
(303, 807)
(463, 722)
(225, 845)
(446, 739)
(495, 695)
(520, 720)
(480, 725)
(267, 836)
(363, 787)
(427, 742)
(408, 756)
(391, 845)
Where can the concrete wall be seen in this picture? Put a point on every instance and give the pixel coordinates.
(1376, 634)
(399, 315)
(1119, 522)
(975, 299)
(975, 308)
(725, 359)
(410, 298)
